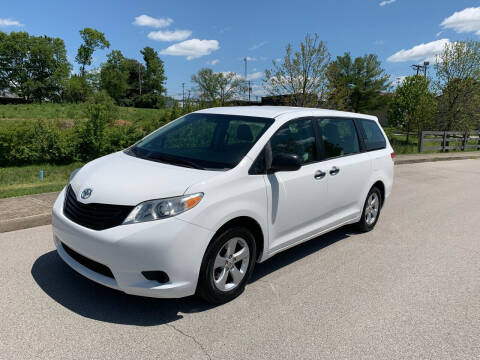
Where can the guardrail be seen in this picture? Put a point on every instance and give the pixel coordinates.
(462, 140)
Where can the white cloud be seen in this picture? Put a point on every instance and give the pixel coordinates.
(379, 42)
(255, 75)
(213, 62)
(258, 46)
(9, 22)
(145, 20)
(251, 76)
(250, 58)
(387, 2)
(192, 49)
(465, 21)
(167, 35)
(426, 51)
(439, 33)
(258, 90)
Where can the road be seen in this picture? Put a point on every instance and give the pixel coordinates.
(410, 289)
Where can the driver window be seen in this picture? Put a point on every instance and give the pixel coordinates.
(295, 137)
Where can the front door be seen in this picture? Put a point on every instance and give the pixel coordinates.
(297, 199)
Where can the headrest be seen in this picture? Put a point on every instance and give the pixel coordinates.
(244, 133)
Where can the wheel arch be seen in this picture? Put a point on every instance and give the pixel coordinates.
(381, 186)
(252, 225)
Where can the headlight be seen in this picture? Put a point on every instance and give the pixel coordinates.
(162, 208)
(72, 175)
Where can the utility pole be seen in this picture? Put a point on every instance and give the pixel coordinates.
(423, 67)
(245, 59)
(183, 95)
(140, 78)
(249, 90)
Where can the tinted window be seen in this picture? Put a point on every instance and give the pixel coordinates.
(339, 137)
(210, 141)
(295, 137)
(374, 137)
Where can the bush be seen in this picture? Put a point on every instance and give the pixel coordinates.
(152, 101)
(24, 143)
(93, 130)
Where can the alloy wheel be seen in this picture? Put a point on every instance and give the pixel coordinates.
(231, 264)
(371, 208)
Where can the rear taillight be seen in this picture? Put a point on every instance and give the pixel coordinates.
(392, 155)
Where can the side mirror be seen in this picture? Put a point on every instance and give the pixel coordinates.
(285, 162)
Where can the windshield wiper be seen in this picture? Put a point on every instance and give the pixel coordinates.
(175, 160)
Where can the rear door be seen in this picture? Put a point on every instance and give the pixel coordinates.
(348, 168)
(375, 144)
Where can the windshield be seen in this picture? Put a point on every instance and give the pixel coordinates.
(203, 141)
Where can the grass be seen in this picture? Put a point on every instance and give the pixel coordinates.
(14, 112)
(25, 180)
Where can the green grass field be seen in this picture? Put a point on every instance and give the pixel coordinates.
(71, 112)
(25, 180)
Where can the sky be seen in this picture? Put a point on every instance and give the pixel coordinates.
(219, 34)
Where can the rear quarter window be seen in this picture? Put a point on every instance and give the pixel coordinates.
(372, 135)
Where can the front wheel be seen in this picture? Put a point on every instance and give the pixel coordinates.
(227, 265)
(371, 210)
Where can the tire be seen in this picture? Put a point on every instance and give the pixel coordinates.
(367, 223)
(223, 275)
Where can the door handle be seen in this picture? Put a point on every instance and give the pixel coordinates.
(334, 171)
(319, 175)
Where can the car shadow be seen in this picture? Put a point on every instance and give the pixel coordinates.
(94, 301)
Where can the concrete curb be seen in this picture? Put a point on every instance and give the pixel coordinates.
(45, 218)
(25, 222)
(434, 159)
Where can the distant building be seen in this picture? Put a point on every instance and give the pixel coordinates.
(9, 98)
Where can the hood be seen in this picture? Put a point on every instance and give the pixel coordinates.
(121, 179)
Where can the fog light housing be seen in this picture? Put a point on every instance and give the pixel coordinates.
(159, 276)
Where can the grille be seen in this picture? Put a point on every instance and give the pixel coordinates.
(88, 263)
(94, 216)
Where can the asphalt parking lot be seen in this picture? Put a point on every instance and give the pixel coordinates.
(408, 290)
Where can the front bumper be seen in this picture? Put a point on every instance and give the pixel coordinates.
(170, 245)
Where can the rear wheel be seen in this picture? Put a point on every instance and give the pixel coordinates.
(227, 265)
(371, 210)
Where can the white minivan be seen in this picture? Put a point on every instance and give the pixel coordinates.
(193, 206)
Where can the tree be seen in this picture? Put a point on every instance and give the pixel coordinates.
(458, 85)
(92, 40)
(113, 77)
(154, 76)
(413, 105)
(33, 67)
(77, 89)
(300, 75)
(338, 93)
(365, 80)
(135, 72)
(218, 87)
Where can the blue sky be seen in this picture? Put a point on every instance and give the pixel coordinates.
(219, 34)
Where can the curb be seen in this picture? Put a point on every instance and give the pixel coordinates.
(25, 222)
(434, 159)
